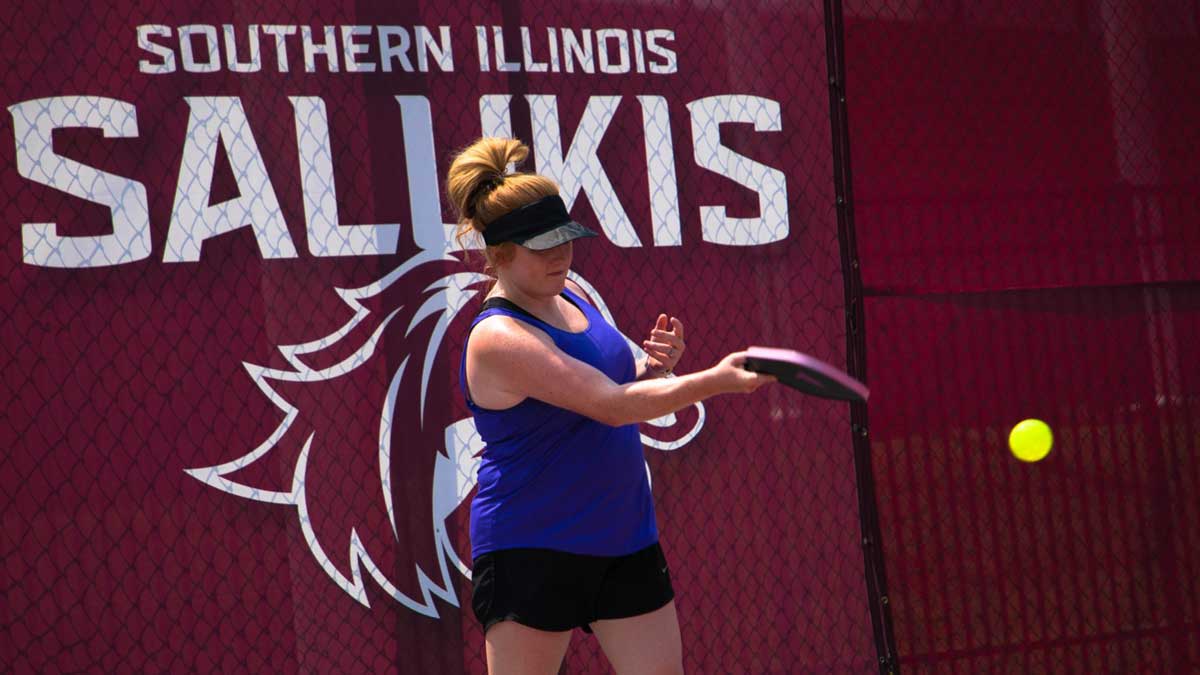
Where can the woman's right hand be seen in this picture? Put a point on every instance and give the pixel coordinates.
(733, 378)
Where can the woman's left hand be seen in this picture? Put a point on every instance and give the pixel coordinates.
(665, 346)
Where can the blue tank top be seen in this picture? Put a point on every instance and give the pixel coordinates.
(552, 478)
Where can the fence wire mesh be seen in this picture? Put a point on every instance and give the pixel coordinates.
(233, 438)
(232, 434)
(1025, 209)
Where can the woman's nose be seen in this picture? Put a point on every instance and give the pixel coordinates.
(560, 252)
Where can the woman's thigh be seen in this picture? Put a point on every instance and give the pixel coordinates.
(513, 648)
(647, 643)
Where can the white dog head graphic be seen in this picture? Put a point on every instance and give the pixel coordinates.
(349, 469)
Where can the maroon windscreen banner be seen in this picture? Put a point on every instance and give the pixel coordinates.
(233, 313)
(1027, 202)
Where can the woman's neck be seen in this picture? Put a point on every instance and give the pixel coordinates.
(542, 305)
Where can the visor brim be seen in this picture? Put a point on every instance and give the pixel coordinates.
(557, 236)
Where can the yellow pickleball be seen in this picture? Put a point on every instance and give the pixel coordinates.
(1030, 440)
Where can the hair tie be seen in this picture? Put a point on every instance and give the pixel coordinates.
(481, 191)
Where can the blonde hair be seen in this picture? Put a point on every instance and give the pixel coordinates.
(480, 191)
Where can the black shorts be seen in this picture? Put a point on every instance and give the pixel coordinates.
(556, 591)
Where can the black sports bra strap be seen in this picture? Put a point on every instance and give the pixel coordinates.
(505, 303)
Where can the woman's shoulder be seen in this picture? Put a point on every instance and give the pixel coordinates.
(577, 290)
(503, 333)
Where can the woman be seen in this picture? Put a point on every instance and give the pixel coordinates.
(563, 533)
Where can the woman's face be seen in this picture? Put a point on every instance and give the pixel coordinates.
(538, 273)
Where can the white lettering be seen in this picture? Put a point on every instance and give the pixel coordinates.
(328, 49)
(387, 51)
(552, 40)
(581, 169)
(606, 65)
(481, 44)
(420, 163)
(351, 49)
(573, 49)
(442, 54)
(770, 184)
(494, 116)
(34, 123)
(639, 56)
(671, 62)
(318, 187)
(214, 120)
(502, 64)
(280, 34)
(660, 171)
(255, 63)
(190, 64)
(531, 65)
(166, 63)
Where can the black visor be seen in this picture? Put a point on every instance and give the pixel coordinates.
(537, 226)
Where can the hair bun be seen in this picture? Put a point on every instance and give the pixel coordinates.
(481, 186)
(480, 167)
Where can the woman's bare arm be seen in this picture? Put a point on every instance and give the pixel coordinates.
(529, 364)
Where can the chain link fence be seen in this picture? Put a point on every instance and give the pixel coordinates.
(1025, 209)
(233, 438)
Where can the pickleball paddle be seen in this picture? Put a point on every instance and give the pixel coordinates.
(805, 373)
